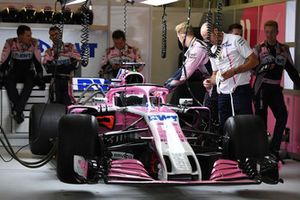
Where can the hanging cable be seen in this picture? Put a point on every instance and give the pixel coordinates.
(35, 164)
(183, 45)
(125, 16)
(58, 21)
(85, 49)
(164, 33)
(125, 12)
(211, 26)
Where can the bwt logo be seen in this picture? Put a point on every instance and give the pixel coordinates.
(162, 117)
(43, 46)
(80, 84)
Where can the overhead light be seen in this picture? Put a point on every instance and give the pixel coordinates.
(71, 2)
(157, 2)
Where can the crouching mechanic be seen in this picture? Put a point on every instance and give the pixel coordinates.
(21, 62)
(61, 60)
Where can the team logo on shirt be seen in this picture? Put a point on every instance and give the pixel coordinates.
(241, 41)
(22, 55)
(226, 44)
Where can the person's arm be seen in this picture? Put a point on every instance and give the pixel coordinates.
(290, 67)
(74, 58)
(293, 73)
(37, 59)
(138, 59)
(104, 63)
(39, 69)
(5, 57)
(210, 82)
(196, 58)
(250, 62)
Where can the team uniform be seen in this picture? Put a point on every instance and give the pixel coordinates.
(197, 68)
(114, 58)
(61, 65)
(196, 59)
(20, 63)
(267, 90)
(233, 53)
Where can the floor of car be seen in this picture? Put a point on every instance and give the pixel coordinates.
(18, 182)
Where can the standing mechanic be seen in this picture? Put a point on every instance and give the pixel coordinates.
(235, 29)
(196, 57)
(274, 57)
(21, 62)
(231, 67)
(116, 55)
(196, 66)
(61, 60)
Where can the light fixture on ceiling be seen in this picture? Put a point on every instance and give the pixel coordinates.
(71, 2)
(156, 2)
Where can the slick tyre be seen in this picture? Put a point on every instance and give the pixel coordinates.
(43, 126)
(78, 135)
(246, 137)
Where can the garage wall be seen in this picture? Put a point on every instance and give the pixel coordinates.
(138, 31)
(162, 69)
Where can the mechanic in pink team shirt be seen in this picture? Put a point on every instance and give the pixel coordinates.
(196, 57)
(21, 62)
(121, 52)
(196, 64)
(61, 60)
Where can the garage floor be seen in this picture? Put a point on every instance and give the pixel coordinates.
(18, 182)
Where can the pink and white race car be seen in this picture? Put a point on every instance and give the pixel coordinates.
(131, 135)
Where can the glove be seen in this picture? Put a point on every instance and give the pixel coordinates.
(170, 84)
(39, 81)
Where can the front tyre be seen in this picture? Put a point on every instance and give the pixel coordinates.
(78, 135)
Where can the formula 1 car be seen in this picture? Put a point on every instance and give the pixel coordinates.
(131, 135)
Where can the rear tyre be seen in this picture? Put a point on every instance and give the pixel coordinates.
(43, 126)
(246, 138)
(78, 135)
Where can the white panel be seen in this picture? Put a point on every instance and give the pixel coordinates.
(290, 21)
(164, 68)
(6, 122)
(100, 15)
(288, 83)
(290, 36)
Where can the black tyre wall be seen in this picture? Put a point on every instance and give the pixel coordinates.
(43, 126)
(78, 135)
(247, 137)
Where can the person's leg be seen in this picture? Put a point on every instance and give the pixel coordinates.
(260, 104)
(58, 90)
(28, 81)
(242, 100)
(66, 100)
(225, 111)
(11, 89)
(52, 90)
(278, 108)
(211, 101)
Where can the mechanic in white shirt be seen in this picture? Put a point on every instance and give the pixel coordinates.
(231, 72)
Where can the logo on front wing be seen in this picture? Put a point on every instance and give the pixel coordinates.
(163, 118)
